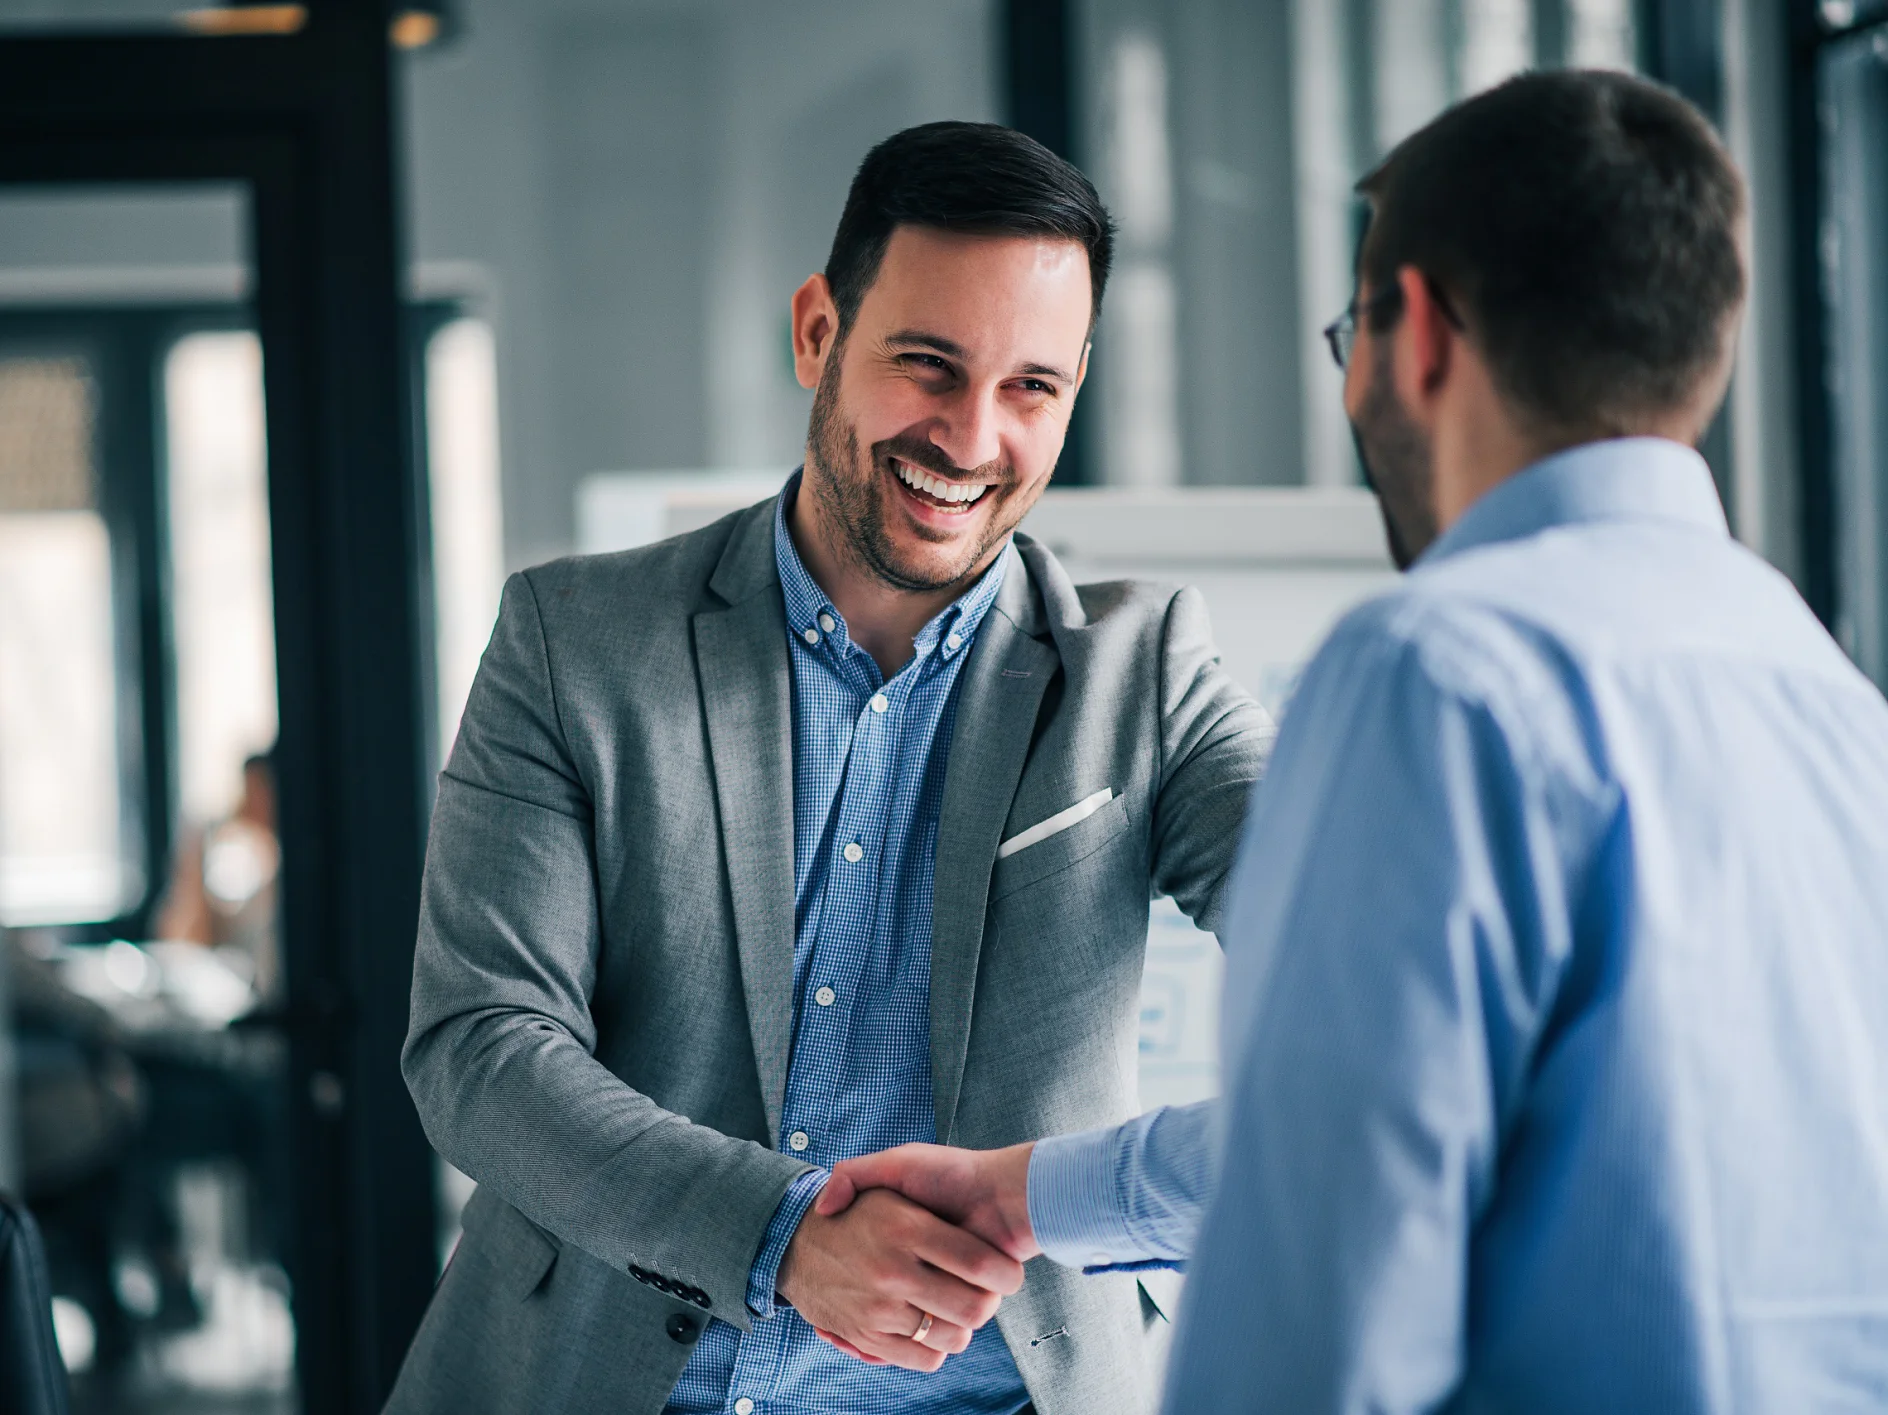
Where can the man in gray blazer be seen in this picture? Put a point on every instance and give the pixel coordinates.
(827, 828)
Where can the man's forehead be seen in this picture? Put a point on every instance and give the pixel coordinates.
(966, 289)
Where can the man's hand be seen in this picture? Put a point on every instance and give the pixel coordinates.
(983, 1191)
(867, 1278)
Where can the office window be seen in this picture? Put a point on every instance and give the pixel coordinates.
(1854, 82)
(1227, 137)
(461, 381)
(222, 601)
(65, 850)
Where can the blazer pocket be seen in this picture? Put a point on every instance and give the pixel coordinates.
(1059, 851)
(522, 1253)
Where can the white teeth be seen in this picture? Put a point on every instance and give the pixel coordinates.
(964, 492)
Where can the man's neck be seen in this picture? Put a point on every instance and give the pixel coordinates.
(880, 618)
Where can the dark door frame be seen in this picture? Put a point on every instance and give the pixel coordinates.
(1038, 43)
(305, 123)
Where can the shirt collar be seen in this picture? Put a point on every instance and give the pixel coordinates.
(1627, 478)
(809, 611)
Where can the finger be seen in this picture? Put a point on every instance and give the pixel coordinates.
(833, 1339)
(964, 1255)
(837, 1195)
(945, 1336)
(948, 1298)
(897, 1350)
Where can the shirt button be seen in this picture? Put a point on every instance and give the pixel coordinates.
(854, 852)
(743, 1406)
(811, 636)
(797, 1141)
(824, 997)
(953, 642)
(828, 623)
(879, 703)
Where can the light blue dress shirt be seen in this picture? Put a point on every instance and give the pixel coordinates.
(1556, 1018)
(869, 758)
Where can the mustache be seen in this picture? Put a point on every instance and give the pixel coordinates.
(920, 452)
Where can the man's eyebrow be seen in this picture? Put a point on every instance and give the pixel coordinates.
(1048, 371)
(918, 338)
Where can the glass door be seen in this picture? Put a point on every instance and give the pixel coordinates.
(148, 1119)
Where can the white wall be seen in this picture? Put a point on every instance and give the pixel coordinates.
(634, 189)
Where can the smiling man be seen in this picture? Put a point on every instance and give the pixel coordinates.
(827, 828)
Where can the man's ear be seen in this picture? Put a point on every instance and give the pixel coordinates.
(1425, 341)
(815, 329)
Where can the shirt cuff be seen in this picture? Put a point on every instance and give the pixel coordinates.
(761, 1297)
(1074, 1205)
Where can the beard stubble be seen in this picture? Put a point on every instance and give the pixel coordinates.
(851, 494)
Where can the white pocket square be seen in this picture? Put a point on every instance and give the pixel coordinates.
(1056, 823)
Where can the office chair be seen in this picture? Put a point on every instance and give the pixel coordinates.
(32, 1377)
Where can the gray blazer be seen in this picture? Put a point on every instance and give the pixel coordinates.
(602, 995)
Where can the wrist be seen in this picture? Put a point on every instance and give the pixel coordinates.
(769, 1275)
(1012, 1201)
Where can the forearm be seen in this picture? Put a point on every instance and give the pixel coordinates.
(1126, 1196)
(520, 1107)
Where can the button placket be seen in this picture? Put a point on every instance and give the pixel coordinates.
(851, 891)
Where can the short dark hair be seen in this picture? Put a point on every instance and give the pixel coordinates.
(978, 179)
(1586, 227)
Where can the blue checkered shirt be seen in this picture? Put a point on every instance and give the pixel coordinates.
(868, 783)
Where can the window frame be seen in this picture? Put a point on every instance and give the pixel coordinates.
(125, 347)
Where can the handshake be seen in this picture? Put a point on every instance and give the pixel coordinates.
(907, 1252)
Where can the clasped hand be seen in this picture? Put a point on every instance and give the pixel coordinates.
(916, 1230)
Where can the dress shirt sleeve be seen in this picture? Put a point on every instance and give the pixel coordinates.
(1124, 1197)
(1398, 928)
(763, 1279)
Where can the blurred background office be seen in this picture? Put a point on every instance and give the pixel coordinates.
(522, 281)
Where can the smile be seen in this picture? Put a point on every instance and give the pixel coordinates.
(951, 493)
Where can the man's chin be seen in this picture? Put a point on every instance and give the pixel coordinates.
(921, 574)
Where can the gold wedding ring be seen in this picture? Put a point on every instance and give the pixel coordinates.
(924, 1326)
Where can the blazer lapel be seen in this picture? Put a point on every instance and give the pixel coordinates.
(741, 656)
(1001, 691)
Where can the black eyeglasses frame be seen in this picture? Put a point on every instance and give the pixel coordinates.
(1341, 333)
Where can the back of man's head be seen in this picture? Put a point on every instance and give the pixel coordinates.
(1587, 227)
(976, 179)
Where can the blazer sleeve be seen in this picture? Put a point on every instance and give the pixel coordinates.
(499, 1049)
(1215, 741)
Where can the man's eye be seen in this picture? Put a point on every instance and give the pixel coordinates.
(1036, 385)
(930, 363)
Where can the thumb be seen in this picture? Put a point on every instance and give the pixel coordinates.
(838, 1194)
(884, 1170)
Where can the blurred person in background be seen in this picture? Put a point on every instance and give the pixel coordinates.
(830, 826)
(1556, 1020)
(223, 885)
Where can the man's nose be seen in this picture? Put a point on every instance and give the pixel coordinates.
(970, 432)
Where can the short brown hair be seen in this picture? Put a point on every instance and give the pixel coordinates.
(1585, 224)
(979, 179)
